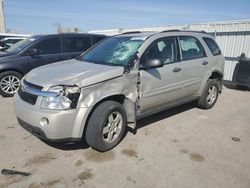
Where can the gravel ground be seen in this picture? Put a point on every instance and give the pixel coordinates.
(181, 147)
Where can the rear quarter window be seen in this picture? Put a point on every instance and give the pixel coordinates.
(191, 48)
(212, 45)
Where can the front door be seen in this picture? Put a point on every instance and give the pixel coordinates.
(164, 84)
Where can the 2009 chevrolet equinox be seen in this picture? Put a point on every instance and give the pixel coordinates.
(121, 79)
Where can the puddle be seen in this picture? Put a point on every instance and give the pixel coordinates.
(129, 152)
(236, 139)
(78, 163)
(11, 180)
(174, 140)
(196, 157)
(87, 174)
(26, 137)
(131, 180)
(92, 155)
(51, 183)
(183, 151)
(40, 159)
(34, 185)
(55, 183)
(2, 137)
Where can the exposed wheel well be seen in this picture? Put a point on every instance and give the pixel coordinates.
(218, 76)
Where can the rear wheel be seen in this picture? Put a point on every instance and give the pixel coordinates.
(9, 83)
(106, 126)
(210, 95)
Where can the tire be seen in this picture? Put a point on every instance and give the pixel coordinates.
(106, 126)
(209, 95)
(9, 83)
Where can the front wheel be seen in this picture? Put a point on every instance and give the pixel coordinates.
(9, 83)
(106, 126)
(209, 95)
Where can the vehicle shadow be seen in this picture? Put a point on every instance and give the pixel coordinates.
(164, 114)
(231, 85)
(68, 145)
(140, 124)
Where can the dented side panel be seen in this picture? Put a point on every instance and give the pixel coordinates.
(126, 85)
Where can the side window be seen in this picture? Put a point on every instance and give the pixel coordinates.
(49, 46)
(76, 44)
(191, 48)
(164, 49)
(213, 47)
(98, 39)
(17, 40)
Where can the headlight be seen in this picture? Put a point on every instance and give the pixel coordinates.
(66, 98)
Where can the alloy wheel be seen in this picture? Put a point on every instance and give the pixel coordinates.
(10, 84)
(113, 127)
(212, 94)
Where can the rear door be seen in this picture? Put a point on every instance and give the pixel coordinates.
(194, 63)
(164, 84)
(49, 51)
(73, 46)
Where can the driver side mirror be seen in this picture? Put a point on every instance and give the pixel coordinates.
(151, 63)
(33, 52)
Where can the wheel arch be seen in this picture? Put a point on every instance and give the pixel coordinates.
(11, 69)
(214, 74)
(218, 75)
(128, 104)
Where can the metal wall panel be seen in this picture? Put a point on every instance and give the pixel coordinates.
(231, 44)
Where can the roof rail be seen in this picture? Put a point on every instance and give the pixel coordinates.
(130, 32)
(171, 30)
(177, 30)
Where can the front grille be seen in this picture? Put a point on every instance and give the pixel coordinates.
(27, 97)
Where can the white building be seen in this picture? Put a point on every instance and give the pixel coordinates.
(2, 23)
(232, 36)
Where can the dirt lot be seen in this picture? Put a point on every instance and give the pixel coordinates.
(182, 147)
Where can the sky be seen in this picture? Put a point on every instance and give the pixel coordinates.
(42, 16)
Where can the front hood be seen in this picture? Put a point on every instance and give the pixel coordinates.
(72, 72)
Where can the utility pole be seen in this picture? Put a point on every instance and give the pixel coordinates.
(58, 27)
(2, 21)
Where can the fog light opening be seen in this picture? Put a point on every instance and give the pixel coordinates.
(44, 121)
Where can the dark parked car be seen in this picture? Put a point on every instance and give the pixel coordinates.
(241, 77)
(3, 46)
(39, 50)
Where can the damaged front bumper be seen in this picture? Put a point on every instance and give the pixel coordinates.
(51, 125)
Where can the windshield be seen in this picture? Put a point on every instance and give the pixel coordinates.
(114, 51)
(21, 45)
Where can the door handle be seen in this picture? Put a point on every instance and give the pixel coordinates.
(204, 62)
(177, 69)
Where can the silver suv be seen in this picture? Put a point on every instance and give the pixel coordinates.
(121, 79)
